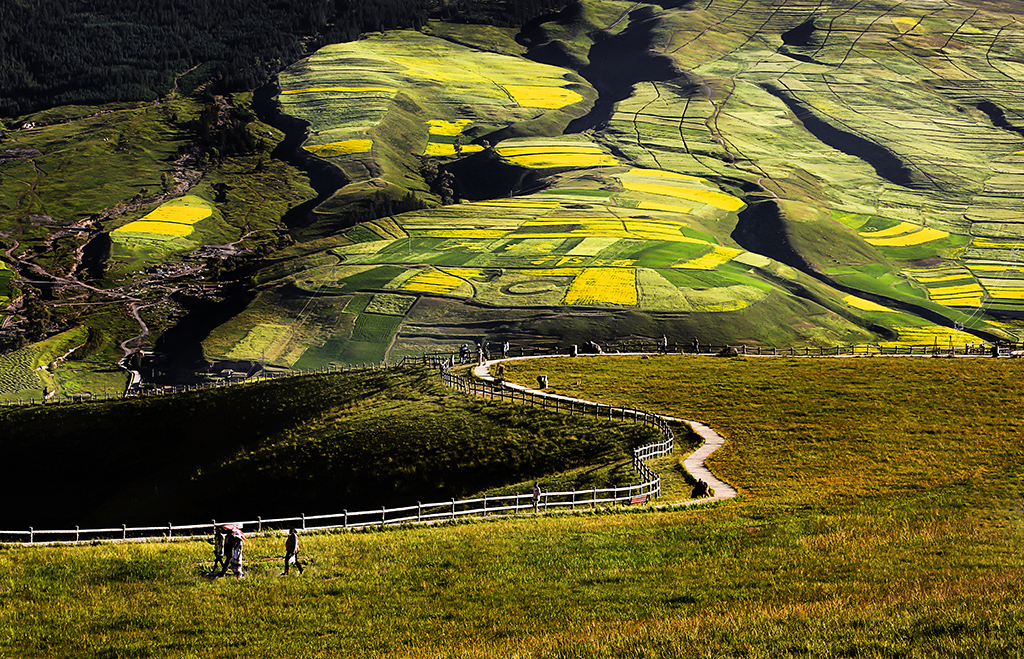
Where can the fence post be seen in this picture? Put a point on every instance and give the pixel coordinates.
(485, 505)
(124, 531)
(383, 514)
(419, 511)
(259, 524)
(346, 517)
(303, 521)
(31, 535)
(170, 531)
(76, 533)
(453, 507)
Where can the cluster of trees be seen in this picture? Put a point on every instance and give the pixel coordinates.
(58, 52)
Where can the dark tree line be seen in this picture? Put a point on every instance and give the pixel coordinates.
(58, 52)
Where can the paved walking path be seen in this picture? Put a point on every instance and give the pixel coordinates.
(695, 463)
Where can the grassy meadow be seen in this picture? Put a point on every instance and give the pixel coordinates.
(879, 516)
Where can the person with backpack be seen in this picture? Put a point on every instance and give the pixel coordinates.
(291, 551)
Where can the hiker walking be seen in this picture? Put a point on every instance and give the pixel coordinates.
(536, 495)
(504, 350)
(291, 551)
(233, 539)
(218, 550)
(696, 345)
(463, 353)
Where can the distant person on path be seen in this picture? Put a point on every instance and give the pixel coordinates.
(480, 358)
(696, 346)
(291, 551)
(504, 350)
(463, 353)
(664, 344)
(700, 490)
(501, 371)
(536, 495)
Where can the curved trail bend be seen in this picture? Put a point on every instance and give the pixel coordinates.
(695, 463)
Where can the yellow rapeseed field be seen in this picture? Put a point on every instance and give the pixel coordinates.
(343, 148)
(996, 243)
(542, 97)
(603, 286)
(546, 160)
(662, 173)
(898, 230)
(432, 281)
(925, 235)
(156, 229)
(862, 304)
(719, 200)
(931, 335)
(711, 260)
(448, 128)
(443, 149)
(1006, 292)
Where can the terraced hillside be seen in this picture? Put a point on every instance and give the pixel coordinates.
(772, 173)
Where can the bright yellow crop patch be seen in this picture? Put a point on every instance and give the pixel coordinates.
(898, 230)
(603, 286)
(336, 149)
(443, 149)
(542, 96)
(995, 243)
(714, 198)
(924, 235)
(156, 229)
(1006, 293)
(862, 304)
(433, 281)
(546, 160)
(711, 260)
(448, 128)
(540, 149)
(955, 290)
(931, 335)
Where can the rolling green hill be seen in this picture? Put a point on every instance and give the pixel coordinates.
(312, 444)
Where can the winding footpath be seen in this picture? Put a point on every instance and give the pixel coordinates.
(695, 463)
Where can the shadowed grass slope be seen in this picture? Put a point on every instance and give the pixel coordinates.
(316, 444)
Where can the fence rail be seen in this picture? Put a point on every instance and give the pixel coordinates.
(648, 489)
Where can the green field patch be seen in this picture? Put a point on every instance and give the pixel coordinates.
(261, 343)
(390, 304)
(375, 328)
(369, 278)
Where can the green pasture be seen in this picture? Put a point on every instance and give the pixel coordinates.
(878, 516)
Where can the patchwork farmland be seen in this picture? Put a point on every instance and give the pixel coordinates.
(772, 150)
